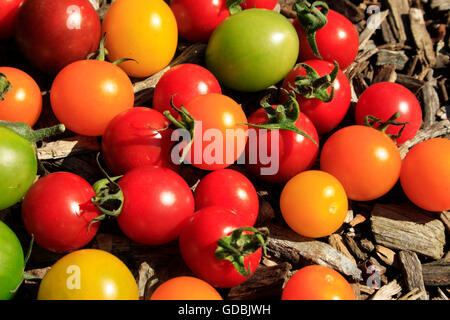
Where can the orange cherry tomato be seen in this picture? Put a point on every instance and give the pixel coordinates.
(314, 204)
(185, 288)
(366, 161)
(425, 175)
(317, 282)
(143, 30)
(86, 95)
(23, 102)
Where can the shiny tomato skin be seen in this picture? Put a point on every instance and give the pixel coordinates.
(185, 288)
(184, 83)
(8, 16)
(143, 30)
(384, 99)
(52, 34)
(317, 282)
(366, 161)
(229, 189)
(88, 274)
(197, 19)
(262, 4)
(198, 243)
(57, 210)
(102, 90)
(219, 113)
(314, 204)
(295, 152)
(157, 204)
(130, 141)
(23, 102)
(425, 175)
(325, 115)
(337, 41)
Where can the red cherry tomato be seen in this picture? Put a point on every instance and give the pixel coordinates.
(8, 16)
(157, 203)
(198, 243)
(131, 140)
(229, 189)
(325, 115)
(197, 19)
(317, 282)
(296, 153)
(57, 210)
(183, 82)
(337, 41)
(384, 99)
(425, 175)
(52, 34)
(262, 4)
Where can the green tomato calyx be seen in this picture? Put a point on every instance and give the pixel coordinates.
(238, 245)
(33, 136)
(313, 86)
(311, 19)
(283, 117)
(5, 86)
(108, 197)
(234, 6)
(382, 126)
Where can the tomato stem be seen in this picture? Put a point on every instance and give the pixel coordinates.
(5, 86)
(238, 245)
(371, 121)
(33, 136)
(283, 117)
(234, 6)
(311, 19)
(26, 276)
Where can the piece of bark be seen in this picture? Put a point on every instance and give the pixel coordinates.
(421, 36)
(438, 129)
(358, 219)
(414, 294)
(288, 246)
(431, 102)
(440, 5)
(367, 245)
(336, 241)
(373, 273)
(398, 8)
(436, 273)
(265, 283)
(145, 274)
(346, 8)
(386, 255)
(410, 82)
(445, 218)
(375, 21)
(386, 32)
(386, 74)
(67, 147)
(442, 295)
(398, 58)
(412, 271)
(354, 248)
(388, 291)
(408, 228)
(39, 273)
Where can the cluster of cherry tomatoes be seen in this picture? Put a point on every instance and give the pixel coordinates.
(250, 47)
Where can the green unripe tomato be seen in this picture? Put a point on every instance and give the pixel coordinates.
(18, 167)
(252, 50)
(11, 262)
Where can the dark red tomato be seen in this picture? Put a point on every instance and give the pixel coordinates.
(8, 15)
(198, 244)
(197, 19)
(325, 115)
(51, 34)
(337, 41)
(184, 82)
(131, 140)
(296, 153)
(229, 189)
(384, 99)
(57, 210)
(157, 203)
(262, 4)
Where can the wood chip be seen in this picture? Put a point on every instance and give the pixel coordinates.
(412, 272)
(414, 294)
(388, 291)
(436, 273)
(386, 255)
(145, 274)
(297, 250)
(375, 22)
(398, 58)
(420, 34)
(354, 248)
(445, 218)
(367, 245)
(386, 74)
(336, 241)
(408, 228)
(431, 102)
(359, 218)
(68, 147)
(398, 8)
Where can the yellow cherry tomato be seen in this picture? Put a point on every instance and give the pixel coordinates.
(314, 204)
(185, 288)
(143, 30)
(88, 274)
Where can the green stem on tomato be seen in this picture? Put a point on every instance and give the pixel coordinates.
(5, 86)
(33, 136)
(371, 121)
